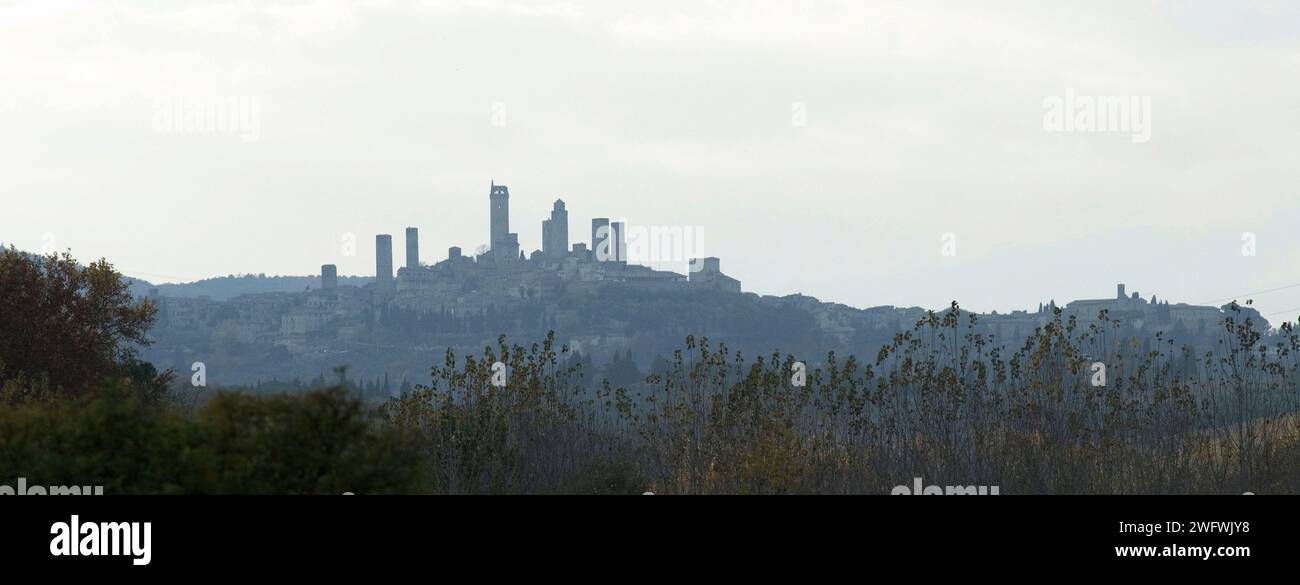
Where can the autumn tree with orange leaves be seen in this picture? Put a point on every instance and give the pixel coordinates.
(66, 328)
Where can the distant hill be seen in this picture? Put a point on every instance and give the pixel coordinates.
(224, 288)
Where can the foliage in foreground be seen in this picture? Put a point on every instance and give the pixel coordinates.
(941, 403)
(320, 442)
(66, 328)
(938, 403)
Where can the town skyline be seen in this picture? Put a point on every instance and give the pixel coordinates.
(507, 271)
(428, 258)
(827, 150)
(619, 247)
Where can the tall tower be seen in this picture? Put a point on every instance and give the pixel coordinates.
(555, 232)
(500, 216)
(600, 249)
(412, 247)
(384, 259)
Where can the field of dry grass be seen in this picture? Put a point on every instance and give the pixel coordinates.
(939, 403)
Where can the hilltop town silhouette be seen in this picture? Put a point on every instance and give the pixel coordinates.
(595, 297)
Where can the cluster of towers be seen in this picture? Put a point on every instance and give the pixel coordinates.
(609, 245)
(329, 273)
(608, 241)
(384, 255)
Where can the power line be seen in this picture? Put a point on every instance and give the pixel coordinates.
(1233, 298)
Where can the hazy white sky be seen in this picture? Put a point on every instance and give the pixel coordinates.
(824, 147)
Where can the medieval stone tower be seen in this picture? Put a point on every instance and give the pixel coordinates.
(555, 232)
(500, 218)
(384, 259)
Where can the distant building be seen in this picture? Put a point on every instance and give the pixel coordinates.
(329, 276)
(509, 248)
(453, 253)
(412, 247)
(1153, 314)
(555, 232)
(384, 259)
(707, 272)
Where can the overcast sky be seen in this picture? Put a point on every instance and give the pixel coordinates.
(823, 147)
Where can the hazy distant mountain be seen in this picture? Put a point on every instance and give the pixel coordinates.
(224, 288)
